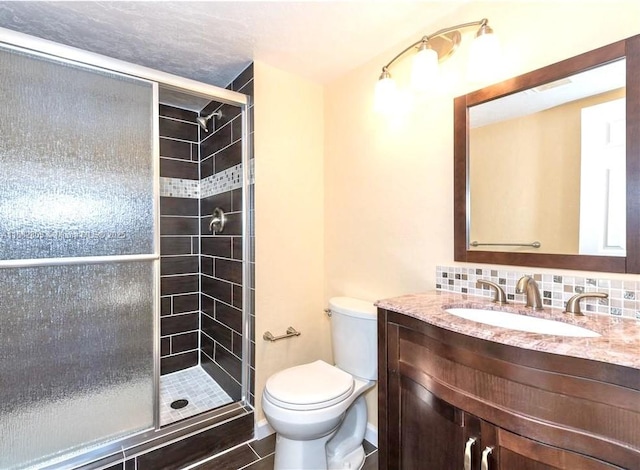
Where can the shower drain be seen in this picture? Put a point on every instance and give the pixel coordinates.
(176, 405)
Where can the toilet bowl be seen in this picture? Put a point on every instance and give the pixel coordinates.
(305, 429)
(318, 409)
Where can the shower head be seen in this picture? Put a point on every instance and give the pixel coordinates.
(204, 120)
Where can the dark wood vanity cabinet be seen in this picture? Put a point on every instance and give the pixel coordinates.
(527, 410)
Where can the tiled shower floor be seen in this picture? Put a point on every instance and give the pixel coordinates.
(192, 384)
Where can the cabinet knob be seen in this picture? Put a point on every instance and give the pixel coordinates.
(467, 452)
(485, 458)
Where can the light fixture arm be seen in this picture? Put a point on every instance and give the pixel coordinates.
(403, 52)
(432, 49)
(482, 22)
(441, 32)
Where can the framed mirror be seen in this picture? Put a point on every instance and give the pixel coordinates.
(547, 166)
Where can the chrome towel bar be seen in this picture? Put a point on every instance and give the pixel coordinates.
(533, 244)
(291, 331)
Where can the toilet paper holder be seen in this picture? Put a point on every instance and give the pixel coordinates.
(291, 331)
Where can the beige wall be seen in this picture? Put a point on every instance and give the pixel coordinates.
(389, 182)
(289, 151)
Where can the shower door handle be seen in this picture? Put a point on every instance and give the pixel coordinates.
(217, 220)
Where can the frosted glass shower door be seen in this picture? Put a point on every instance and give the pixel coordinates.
(77, 258)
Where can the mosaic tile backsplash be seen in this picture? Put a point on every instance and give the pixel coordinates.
(624, 296)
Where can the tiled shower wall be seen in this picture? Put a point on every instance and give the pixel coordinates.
(221, 253)
(179, 241)
(201, 271)
(555, 289)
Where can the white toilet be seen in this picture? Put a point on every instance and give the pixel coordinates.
(316, 409)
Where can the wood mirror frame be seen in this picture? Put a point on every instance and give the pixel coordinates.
(628, 48)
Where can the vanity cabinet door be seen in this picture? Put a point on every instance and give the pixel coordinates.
(433, 433)
(517, 452)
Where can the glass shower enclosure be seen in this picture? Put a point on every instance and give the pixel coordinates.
(79, 257)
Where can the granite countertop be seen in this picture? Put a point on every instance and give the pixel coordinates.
(619, 343)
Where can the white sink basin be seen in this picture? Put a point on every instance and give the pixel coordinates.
(514, 321)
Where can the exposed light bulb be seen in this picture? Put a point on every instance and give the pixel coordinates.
(385, 94)
(484, 58)
(425, 70)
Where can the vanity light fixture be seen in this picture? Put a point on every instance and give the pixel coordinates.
(435, 48)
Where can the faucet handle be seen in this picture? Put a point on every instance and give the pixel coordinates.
(499, 296)
(573, 304)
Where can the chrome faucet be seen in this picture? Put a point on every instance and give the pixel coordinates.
(573, 304)
(499, 296)
(527, 285)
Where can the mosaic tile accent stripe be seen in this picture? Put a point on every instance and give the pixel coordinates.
(624, 296)
(221, 182)
(176, 187)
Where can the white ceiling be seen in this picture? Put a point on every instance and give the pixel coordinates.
(214, 41)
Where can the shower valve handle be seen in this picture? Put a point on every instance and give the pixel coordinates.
(217, 220)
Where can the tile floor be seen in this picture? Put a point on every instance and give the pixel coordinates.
(258, 455)
(192, 384)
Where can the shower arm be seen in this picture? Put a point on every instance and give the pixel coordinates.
(216, 114)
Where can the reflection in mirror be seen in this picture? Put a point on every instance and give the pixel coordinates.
(547, 165)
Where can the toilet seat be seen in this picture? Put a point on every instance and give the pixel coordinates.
(309, 387)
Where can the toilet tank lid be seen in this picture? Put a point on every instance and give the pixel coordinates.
(353, 307)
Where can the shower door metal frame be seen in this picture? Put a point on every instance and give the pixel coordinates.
(157, 436)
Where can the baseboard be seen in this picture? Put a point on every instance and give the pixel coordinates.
(371, 434)
(262, 429)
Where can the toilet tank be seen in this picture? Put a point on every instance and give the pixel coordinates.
(354, 336)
